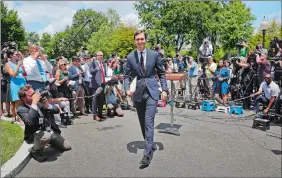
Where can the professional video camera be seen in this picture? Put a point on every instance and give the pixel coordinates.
(113, 81)
(8, 46)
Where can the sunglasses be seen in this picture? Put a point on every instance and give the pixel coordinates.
(63, 64)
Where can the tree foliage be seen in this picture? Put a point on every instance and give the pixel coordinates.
(274, 30)
(33, 38)
(11, 26)
(175, 23)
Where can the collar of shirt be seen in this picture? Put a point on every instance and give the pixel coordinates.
(143, 54)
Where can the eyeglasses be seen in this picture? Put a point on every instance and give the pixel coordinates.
(63, 64)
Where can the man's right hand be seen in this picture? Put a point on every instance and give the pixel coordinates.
(35, 98)
(129, 93)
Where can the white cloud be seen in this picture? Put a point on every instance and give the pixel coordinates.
(54, 16)
(130, 19)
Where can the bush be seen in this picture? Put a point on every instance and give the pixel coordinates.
(11, 140)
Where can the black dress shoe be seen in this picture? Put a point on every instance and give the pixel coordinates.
(146, 160)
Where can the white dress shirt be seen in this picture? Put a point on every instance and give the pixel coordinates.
(32, 70)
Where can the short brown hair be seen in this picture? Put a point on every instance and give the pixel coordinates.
(23, 89)
(139, 32)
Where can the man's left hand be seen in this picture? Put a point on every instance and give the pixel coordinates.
(164, 96)
(265, 111)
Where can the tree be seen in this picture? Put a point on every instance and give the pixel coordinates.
(122, 40)
(45, 43)
(274, 30)
(101, 41)
(113, 17)
(11, 26)
(235, 24)
(84, 33)
(33, 38)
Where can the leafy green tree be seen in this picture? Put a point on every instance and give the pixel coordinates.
(235, 24)
(33, 38)
(11, 26)
(274, 30)
(84, 33)
(101, 41)
(45, 43)
(122, 40)
(113, 17)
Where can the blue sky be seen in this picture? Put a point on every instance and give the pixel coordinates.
(53, 16)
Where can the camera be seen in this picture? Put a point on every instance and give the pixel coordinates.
(113, 81)
(239, 45)
(7, 47)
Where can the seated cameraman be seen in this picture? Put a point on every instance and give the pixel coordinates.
(271, 91)
(40, 127)
(112, 101)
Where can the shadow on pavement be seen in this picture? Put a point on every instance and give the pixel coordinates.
(277, 152)
(132, 147)
(108, 128)
(52, 154)
(166, 125)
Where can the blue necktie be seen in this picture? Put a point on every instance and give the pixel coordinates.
(42, 73)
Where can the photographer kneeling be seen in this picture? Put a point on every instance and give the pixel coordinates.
(112, 101)
(40, 127)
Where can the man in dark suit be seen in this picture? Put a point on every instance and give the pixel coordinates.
(40, 126)
(144, 64)
(98, 73)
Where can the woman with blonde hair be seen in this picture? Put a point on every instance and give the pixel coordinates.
(62, 77)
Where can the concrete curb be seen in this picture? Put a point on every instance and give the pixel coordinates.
(14, 166)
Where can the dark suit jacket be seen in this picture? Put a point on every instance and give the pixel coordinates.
(133, 69)
(75, 77)
(31, 119)
(96, 79)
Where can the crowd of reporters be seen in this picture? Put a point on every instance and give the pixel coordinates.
(46, 97)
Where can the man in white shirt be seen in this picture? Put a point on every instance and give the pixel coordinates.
(87, 80)
(271, 91)
(210, 69)
(36, 69)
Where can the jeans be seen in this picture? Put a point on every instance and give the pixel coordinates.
(260, 99)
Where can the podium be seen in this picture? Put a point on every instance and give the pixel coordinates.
(172, 77)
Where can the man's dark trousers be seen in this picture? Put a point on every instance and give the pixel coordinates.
(88, 92)
(146, 110)
(98, 102)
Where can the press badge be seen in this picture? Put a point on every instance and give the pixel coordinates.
(40, 120)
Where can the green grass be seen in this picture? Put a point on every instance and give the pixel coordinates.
(11, 140)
